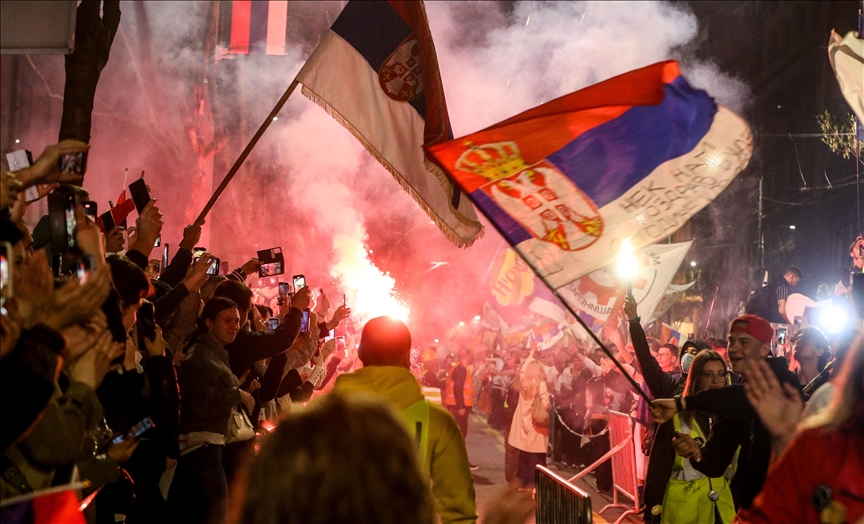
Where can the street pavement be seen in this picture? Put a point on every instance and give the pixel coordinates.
(486, 449)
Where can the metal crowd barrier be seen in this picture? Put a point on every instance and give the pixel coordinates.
(558, 501)
(623, 464)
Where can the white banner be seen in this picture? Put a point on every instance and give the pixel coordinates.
(595, 293)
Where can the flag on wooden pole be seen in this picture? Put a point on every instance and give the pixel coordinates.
(376, 73)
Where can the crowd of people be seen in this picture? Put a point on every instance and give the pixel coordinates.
(725, 419)
(165, 394)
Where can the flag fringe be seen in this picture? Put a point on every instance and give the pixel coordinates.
(443, 226)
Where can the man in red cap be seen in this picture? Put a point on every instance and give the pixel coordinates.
(739, 426)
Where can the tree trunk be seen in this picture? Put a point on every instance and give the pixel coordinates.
(93, 39)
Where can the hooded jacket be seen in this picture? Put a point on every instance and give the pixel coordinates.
(446, 460)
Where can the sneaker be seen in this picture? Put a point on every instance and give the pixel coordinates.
(473, 467)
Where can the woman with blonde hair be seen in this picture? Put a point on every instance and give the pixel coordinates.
(529, 433)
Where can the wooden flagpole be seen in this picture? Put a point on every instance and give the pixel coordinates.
(246, 151)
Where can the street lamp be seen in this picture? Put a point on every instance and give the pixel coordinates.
(628, 266)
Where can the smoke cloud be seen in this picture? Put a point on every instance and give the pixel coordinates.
(309, 186)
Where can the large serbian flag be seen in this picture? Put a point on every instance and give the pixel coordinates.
(376, 73)
(566, 182)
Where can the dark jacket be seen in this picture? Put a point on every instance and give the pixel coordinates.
(27, 380)
(662, 385)
(250, 346)
(208, 388)
(738, 425)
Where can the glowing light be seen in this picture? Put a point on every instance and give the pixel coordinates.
(17, 141)
(693, 263)
(792, 227)
(369, 292)
(461, 324)
(477, 317)
(832, 319)
(275, 118)
(436, 340)
(628, 266)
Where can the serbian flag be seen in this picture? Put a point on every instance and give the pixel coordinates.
(376, 73)
(566, 182)
(51, 506)
(258, 27)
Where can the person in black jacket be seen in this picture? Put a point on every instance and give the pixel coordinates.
(749, 340)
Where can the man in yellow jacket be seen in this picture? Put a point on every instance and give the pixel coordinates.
(385, 347)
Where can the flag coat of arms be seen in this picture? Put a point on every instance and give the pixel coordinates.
(376, 73)
(566, 182)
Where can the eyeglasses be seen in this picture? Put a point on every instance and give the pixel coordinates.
(712, 375)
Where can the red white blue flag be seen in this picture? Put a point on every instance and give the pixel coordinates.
(376, 73)
(566, 182)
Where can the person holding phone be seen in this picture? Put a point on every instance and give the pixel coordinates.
(209, 392)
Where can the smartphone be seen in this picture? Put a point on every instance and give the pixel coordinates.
(271, 270)
(156, 265)
(781, 335)
(340, 343)
(146, 324)
(272, 262)
(197, 251)
(304, 322)
(107, 221)
(158, 241)
(134, 432)
(73, 163)
(165, 256)
(140, 195)
(214, 268)
(273, 323)
(5, 274)
(70, 205)
(299, 282)
(90, 209)
(83, 268)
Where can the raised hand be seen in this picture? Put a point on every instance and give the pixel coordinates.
(89, 237)
(778, 406)
(45, 171)
(74, 303)
(197, 275)
(630, 307)
(114, 240)
(148, 227)
(191, 235)
(91, 367)
(81, 337)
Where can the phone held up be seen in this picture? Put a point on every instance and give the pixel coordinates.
(304, 322)
(134, 432)
(73, 163)
(273, 323)
(272, 262)
(299, 282)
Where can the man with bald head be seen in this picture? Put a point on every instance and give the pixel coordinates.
(385, 350)
(749, 342)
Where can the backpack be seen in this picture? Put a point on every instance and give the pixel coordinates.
(763, 301)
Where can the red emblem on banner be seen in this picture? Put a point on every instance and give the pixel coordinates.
(401, 75)
(540, 197)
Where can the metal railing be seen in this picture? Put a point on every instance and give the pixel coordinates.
(558, 501)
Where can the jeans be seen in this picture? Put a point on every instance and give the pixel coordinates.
(199, 491)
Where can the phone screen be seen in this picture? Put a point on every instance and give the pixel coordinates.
(5, 273)
(135, 431)
(73, 163)
(304, 322)
(299, 282)
(273, 323)
(284, 289)
(271, 270)
(214, 268)
(70, 203)
(84, 267)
